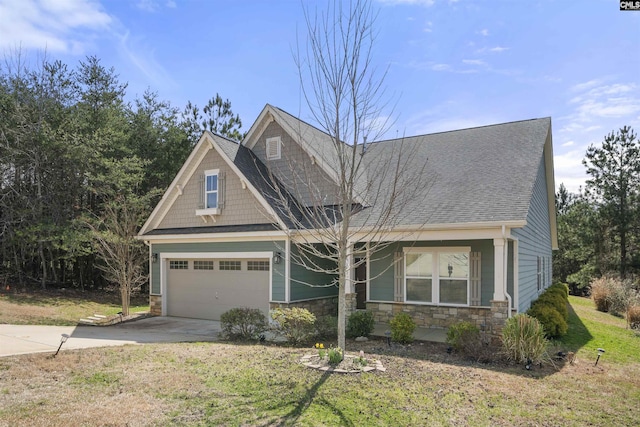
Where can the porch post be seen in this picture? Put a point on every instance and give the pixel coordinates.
(499, 267)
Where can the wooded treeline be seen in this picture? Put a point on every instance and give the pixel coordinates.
(70, 148)
(599, 227)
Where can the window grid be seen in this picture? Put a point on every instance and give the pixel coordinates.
(230, 265)
(202, 265)
(438, 278)
(258, 265)
(211, 190)
(178, 265)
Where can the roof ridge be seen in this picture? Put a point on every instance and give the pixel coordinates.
(299, 119)
(462, 129)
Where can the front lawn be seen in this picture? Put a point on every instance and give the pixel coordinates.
(61, 307)
(235, 384)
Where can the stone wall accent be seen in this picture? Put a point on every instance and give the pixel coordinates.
(155, 305)
(350, 302)
(319, 307)
(499, 315)
(429, 316)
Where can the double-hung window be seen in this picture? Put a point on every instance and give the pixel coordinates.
(211, 193)
(211, 189)
(437, 275)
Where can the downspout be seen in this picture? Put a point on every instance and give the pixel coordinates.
(505, 262)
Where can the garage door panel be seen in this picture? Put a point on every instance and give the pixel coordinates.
(206, 294)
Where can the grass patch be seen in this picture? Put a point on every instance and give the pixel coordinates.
(590, 329)
(61, 308)
(225, 384)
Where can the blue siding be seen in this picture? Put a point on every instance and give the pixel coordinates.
(382, 272)
(307, 284)
(534, 240)
(277, 275)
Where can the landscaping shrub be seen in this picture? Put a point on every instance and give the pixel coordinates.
(556, 300)
(465, 338)
(243, 323)
(360, 324)
(524, 339)
(295, 324)
(633, 317)
(563, 287)
(461, 332)
(552, 321)
(613, 295)
(326, 327)
(335, 355)
(402, 327)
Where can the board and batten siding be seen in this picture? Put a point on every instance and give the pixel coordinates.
(240, 206)
(381, 271)
(307, 284)
(277, 274)
(534, 240)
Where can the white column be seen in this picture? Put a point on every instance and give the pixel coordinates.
(499, 268)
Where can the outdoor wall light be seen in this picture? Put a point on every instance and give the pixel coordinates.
(154, 257)
(277, 258)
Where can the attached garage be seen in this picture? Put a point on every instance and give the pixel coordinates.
(206, 287)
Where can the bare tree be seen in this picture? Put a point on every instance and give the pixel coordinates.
(123, 256)
(365, 189)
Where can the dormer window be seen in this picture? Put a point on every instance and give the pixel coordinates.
(211, 194)
(211, 189)
(273, 148)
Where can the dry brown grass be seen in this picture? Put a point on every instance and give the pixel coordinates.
(60, 307)
(225, 384)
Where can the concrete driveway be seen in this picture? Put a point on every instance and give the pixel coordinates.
(24, 339)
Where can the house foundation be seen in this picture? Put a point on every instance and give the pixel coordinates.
(488, 319)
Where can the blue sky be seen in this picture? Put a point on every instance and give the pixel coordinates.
(451, 64)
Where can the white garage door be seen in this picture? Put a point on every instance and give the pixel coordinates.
(206, 288)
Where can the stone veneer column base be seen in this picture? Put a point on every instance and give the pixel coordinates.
(155, 305)
(350, 303)
(319, 307)
(499, 315)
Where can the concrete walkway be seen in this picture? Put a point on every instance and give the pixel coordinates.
(24, 339)
(421, 334)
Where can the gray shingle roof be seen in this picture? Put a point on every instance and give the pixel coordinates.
(483, 174)
(471, 175)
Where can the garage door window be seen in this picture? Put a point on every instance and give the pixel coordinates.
(230, 265)
(202, 265)
(179, 265)
(258, 265)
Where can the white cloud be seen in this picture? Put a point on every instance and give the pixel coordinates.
(474, 62)
(568, 144)
(65, 26)
(428, 27)
(484, 32)
(498, 49)
(569, 170)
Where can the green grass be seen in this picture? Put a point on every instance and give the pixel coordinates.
(61, 308)
(590, 329)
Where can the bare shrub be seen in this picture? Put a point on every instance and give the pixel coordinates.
(633, 317)
(600, 290)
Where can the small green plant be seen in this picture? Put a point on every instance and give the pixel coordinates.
(402, 327)
(460, 332)
(524, 340)
(321, 351)
(556, 300)
(360, 324)
(335, 355)
(295, 324)
(243, 323)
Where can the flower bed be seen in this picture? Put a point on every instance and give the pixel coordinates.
(325, 360)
